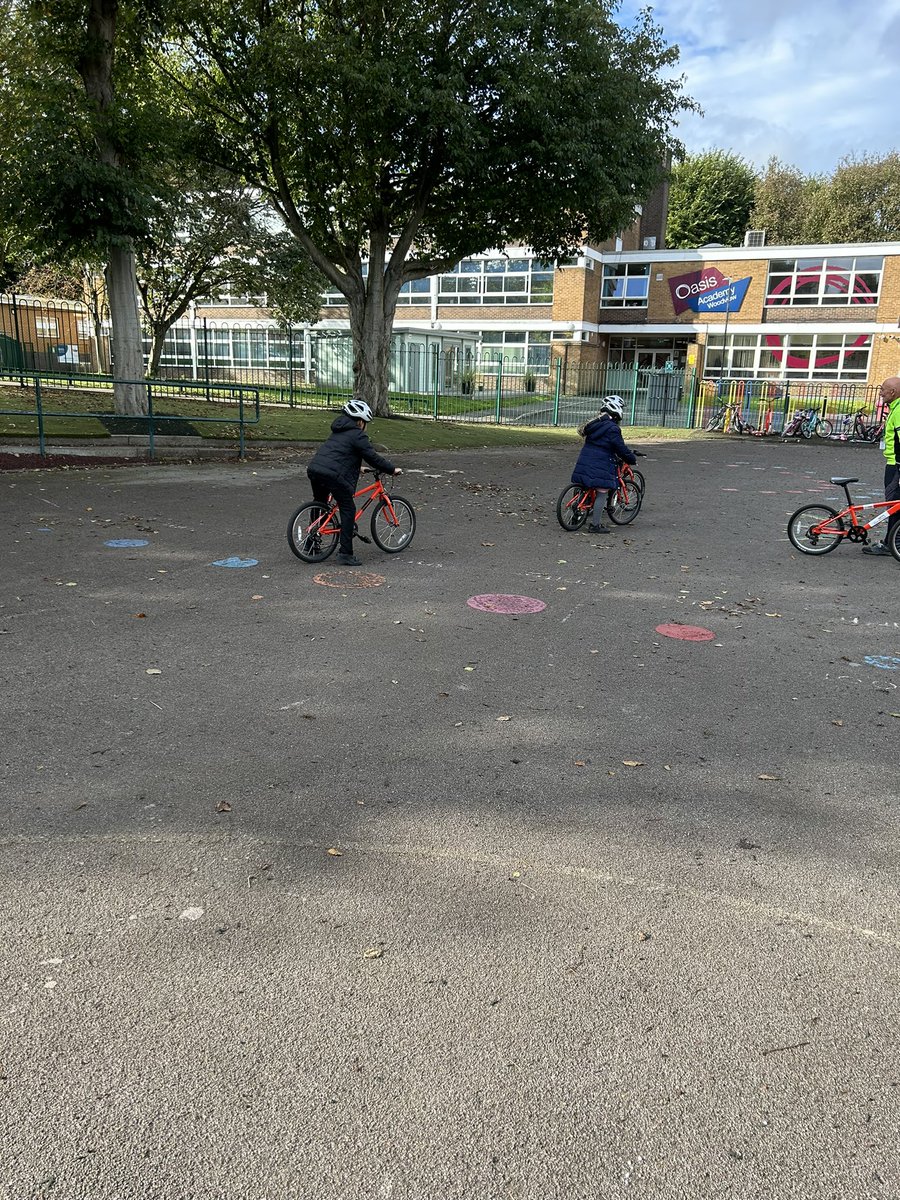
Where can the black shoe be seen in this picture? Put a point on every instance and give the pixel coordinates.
(879, 548)
(597, 529)
(348, 560)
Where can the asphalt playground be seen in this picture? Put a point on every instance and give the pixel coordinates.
(324, 884)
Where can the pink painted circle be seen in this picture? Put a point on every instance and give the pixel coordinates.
(686, 633)
(498, 603)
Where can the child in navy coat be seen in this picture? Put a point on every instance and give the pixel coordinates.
(602, 449)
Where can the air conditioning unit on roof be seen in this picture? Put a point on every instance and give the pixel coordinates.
(587, 263)
(755, 237)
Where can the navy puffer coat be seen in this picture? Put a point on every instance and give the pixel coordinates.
(341, 455)
(603, 446)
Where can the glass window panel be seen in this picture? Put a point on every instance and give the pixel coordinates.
(514, 336)
(240, 348)
(542, 285)
(494, 283)
(448, 283)
(258, 348)
(493, 265)
(856, 360)
(867, 285)
(517, 264)
(613, 288)
(470, 267)
(539, 336)
(839, 264)
(869, 264)
(636, 287)
(467, 283)
(781, 266)
(516, 283)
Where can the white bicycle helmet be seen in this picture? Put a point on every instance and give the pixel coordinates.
(358, 410)
(614, 405)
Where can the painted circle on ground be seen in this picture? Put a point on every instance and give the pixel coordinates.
(348, 579)
(497, 602)
(126, 543)
(234, 561)
(686, 633)
(884, 662)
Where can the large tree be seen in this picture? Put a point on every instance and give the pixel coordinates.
(861, 202)
(787, 204)
(81, 139)
(710, 198)
(412, 135)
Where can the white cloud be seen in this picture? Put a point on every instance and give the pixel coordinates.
(810, 81)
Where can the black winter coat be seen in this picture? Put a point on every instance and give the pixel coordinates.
(603, 446)
(341, 455)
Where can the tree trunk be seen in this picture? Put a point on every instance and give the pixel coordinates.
(371, 324)
(128, 358)
(157, 344)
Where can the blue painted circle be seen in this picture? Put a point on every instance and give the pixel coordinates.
(236, 562)
(126, 543)
(884, 662)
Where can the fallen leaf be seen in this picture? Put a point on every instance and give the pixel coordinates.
(468, 668)
(895, 715)
(256, 597)
(580, 763)
(838, 723)
(667, 768)
(333, 852)
(223, 806)
(373, 952)
(631, 762)
(516, 875)
(768, 777)
(154, 671)
(443, 693)
(773, 614)
(140, 616)
(487, 543)
(504, 718)
(644, 935)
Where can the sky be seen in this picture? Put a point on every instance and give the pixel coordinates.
(809, 81)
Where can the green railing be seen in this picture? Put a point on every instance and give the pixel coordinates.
(241, 404)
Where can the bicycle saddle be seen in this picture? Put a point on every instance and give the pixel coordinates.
(841, 480)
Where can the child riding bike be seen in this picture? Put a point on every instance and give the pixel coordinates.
(335, 466)
(603, 446)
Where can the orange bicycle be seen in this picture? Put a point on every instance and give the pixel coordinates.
(818, 529)
(576, 503)
(313, 531)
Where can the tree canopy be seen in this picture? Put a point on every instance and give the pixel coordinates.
(710, 199)
(416, 135)
(787, 204)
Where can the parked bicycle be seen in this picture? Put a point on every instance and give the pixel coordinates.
(313, 531)
(729, 417)
(818, 529)
(805, 422)
(854, 427)
(576, 503)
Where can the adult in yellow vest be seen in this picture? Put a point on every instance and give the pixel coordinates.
(890, 395)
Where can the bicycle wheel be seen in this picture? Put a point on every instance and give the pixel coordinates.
(801, 525)
(624, 504)
(716, 422)
(823, 428)
(892, 541)
(393, 533)
(569, 512)
(639, 479)
(305, 540)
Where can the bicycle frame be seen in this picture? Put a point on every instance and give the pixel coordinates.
(327, 525)
(624, 480)
(833, 527)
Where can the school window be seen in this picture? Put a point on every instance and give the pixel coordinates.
(417, 291)
(824, 281)
(497, 281)
(517, 350)
(46, 327)
(625, 285)
(836, 356)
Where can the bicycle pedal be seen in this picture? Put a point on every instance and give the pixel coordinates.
(362, 537)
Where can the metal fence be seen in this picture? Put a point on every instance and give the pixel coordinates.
(769, 404)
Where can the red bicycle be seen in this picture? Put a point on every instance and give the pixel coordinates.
(818, 529)
(314, 530)
(576, 503)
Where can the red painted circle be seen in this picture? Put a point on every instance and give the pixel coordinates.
(499, 603)
(686, 633)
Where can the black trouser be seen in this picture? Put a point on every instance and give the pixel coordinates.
(324, 486)
(892, 492)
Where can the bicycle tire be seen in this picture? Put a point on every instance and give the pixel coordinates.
(391, 536)
(892, 541)
(310, 547)
(568, 512)
(639, 479)
(716, 422)
(823, 428)
(622, 511)
(801, 522)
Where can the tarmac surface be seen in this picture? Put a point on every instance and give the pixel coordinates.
(312, 889)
